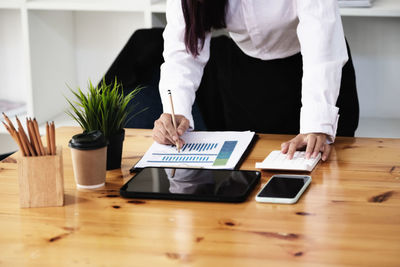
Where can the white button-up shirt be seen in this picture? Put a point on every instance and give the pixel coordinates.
(266, 29)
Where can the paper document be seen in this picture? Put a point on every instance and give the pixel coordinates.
(211, 150)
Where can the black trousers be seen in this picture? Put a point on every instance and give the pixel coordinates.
(238, 92)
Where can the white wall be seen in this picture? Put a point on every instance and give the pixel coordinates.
(51, 35)
(11, 59)
(99, 38)
(375, 46)
(70, 47)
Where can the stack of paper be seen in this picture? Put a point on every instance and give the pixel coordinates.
(211, 150)
(355, 3)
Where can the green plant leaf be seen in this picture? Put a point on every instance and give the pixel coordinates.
(104, 107)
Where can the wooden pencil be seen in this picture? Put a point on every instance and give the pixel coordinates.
(10, 132)
(21, 137)
(33, 137)
(15, 136)
(7, 128)
(53, 135)
(48, 138)
(10, 124)
(37, 133)
(25, 138)
(173, 119)
(25, 149)
(51, 139)
(29, 144)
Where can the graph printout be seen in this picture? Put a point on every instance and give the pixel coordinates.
(213, 150)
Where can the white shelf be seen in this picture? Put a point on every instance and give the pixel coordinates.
(380, 8)
(89, 5)
(158, 6)
(12, 68)
(10, 4)
(34, 32)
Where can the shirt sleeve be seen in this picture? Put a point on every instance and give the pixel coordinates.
(181, 72)
(324, 53)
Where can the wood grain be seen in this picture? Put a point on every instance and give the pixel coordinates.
(350, 215)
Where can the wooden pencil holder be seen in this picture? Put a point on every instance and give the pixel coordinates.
(41, 180)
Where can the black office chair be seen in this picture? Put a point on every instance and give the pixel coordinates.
(138, 64)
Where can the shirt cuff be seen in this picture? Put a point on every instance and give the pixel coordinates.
(319, 118)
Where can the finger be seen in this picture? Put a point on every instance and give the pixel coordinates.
(162, 132)
(166, 135)
(161, 139)
(318, 146)
(310, 145)
(292, 149)
(183, 126)
(169, 127)
(181, 142)
(323, 148)
(285, 147)
(158, 138)
(327, 151)
(156, 130)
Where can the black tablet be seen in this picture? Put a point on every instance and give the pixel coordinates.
(191, 184)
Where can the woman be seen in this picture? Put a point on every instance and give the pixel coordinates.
(304, 35)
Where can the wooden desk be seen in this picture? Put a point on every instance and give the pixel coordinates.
(350, 215)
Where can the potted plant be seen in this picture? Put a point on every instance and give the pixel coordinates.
(104, 108)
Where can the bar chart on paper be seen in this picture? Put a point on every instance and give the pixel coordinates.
(198, 153)
(201, 150)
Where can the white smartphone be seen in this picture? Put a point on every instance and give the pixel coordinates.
(283, 188)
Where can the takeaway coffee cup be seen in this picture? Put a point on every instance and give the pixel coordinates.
(89, 157)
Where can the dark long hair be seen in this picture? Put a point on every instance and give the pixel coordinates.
(200, 17)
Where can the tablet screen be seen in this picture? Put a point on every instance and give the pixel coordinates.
(191, 184)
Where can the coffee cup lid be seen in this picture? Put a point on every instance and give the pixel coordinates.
(88, 140)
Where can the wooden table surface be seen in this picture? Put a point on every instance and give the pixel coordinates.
(350, 215)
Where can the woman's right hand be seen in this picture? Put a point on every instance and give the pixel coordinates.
(164, 130)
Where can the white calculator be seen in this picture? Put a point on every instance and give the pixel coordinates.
(276, 160)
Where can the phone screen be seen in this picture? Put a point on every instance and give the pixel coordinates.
(283, 187)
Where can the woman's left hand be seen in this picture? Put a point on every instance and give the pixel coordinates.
(314, 143)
